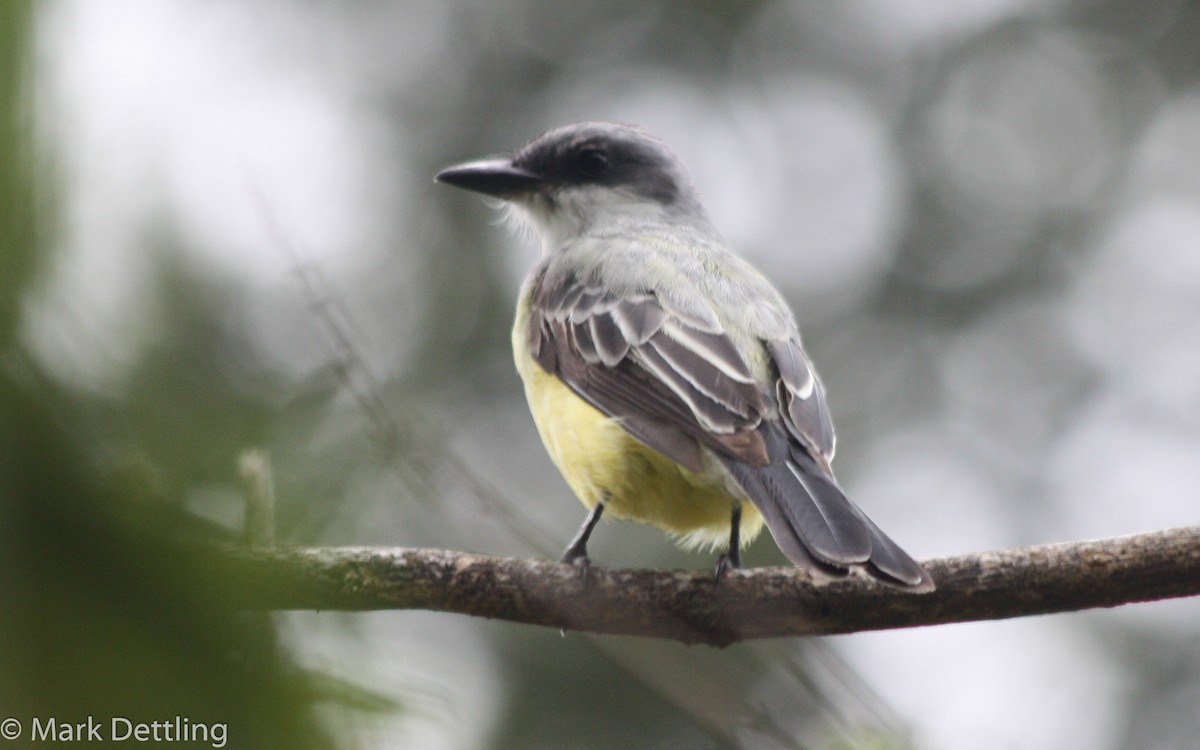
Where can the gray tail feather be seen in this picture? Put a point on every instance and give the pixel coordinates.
(813, 521)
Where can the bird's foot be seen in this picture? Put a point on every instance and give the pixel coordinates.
(731, 560)
(576, 552)
(577, 556)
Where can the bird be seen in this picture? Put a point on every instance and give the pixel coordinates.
(664, 373)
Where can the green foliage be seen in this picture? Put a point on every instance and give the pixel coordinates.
(101, 615)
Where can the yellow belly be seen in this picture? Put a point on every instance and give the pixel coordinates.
(601, 461)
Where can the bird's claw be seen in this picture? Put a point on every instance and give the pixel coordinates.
(727, 562)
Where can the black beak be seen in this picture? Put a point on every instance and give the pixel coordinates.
(498, 178)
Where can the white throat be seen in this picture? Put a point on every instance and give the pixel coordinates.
(573, 212)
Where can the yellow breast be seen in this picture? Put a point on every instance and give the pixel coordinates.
(601, 461)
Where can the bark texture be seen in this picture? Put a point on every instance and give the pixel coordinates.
(690, 606)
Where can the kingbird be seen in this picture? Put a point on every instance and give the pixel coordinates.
(665, 374)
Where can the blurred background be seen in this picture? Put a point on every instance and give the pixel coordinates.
(220, 232)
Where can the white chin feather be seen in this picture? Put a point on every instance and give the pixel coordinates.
(516, 219)
(571, 212)
(535, 219)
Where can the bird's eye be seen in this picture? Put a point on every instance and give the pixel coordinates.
(591, 162)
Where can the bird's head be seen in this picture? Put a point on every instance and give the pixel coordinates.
(586, 177)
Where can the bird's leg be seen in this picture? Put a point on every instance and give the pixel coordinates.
(732, 560)
(576, 552)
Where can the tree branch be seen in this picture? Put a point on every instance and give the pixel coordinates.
(692, 607)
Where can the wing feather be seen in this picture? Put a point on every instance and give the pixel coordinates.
(562, 298)
(581, 342)
(716, 348)
(671, 384)
(610, 344)
(703, 376)
(638, 318)
(585, 306)
(802, 399)
(714, 416)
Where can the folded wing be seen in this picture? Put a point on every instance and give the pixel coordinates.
(676, 381)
